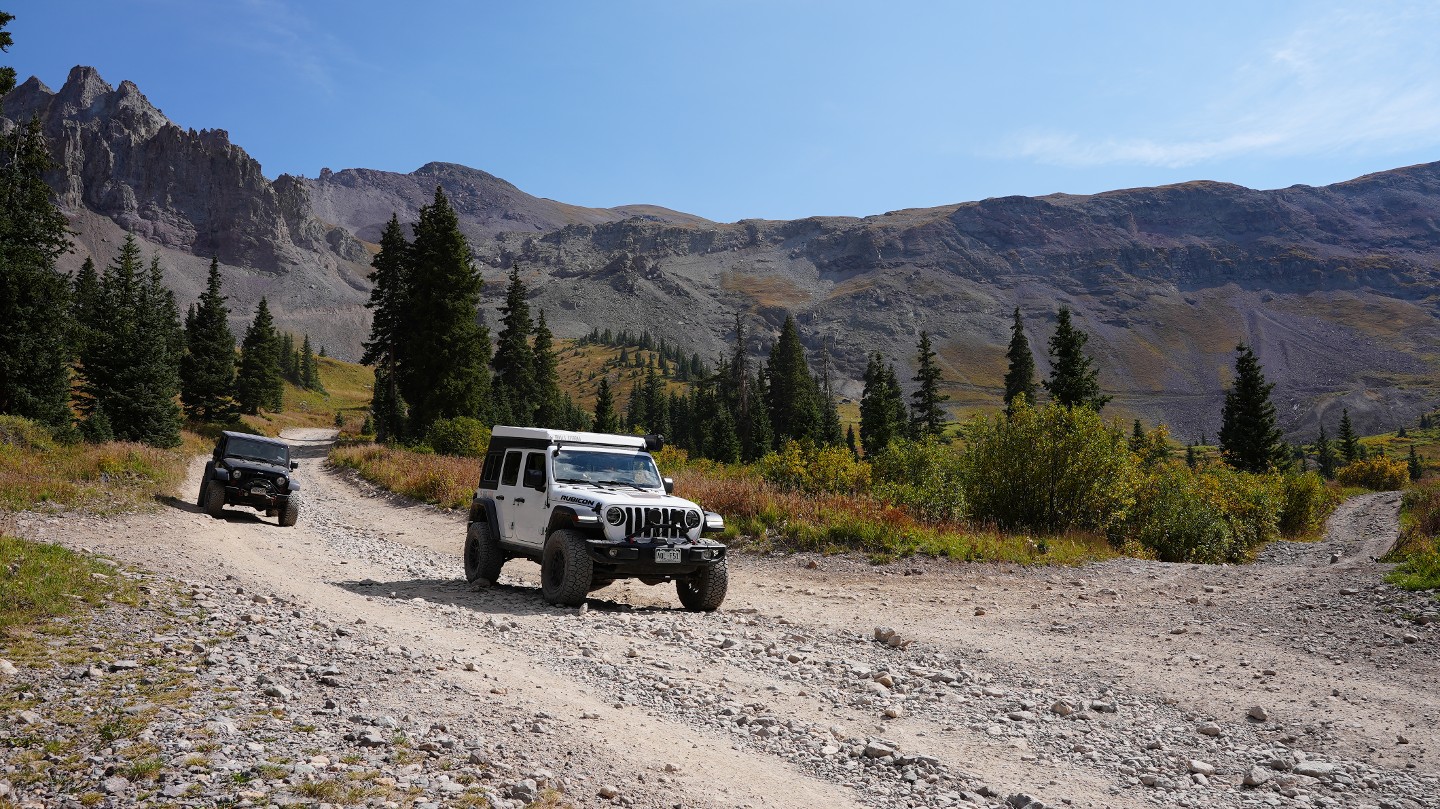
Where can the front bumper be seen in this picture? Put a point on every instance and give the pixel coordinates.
(639, 558)
(260, 501)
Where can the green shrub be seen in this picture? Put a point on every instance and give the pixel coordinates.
(1251, 505)
(1376, 474)
(462, 436)
(1048, 469)
(807, 468)
(1304, 504)
(1178, 517)
(923, 476)
(25, 434)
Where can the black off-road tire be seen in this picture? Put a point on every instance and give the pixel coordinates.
(704, 590)
(566, 569)
(290, 512)
(483, 555)
(204, 489)
(215, 501)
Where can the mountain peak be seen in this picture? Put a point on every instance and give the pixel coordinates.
(83, 87)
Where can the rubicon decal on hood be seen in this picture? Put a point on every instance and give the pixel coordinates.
(570, 498)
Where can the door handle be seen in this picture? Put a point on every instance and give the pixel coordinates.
(519, 499)
(499, 497)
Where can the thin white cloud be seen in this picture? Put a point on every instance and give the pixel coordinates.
(283, 32)
(1351, 80)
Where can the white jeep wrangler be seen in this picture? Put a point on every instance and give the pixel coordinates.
(590, 508)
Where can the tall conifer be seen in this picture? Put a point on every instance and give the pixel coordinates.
(550, 403)
(605, 417)
(1350, 448)
(514, 361)
(258, 381)
(388, 305)
(882, 407)
(35, 329)
(1020, 376)
(1250, 439)
(207, 370)
(927, 417)
(1074, 381)
(794, 397)
(1325, 459)
(444, 373)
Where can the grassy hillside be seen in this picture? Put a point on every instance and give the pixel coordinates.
(348, 388)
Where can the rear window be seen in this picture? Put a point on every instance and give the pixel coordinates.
(490, 474)
(512, 469)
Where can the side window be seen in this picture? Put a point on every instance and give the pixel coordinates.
(511, 475)
(535, 469)
(490, 475)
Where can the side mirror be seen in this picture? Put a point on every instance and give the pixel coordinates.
(294, 464)
(669, 485)
(535, 479)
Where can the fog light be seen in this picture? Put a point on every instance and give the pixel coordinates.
(614, 552)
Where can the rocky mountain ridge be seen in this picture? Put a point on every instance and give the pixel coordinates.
(1334, 286)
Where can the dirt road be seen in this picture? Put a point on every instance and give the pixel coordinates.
(1128, 683)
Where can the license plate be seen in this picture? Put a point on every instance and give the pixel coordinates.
(259, 490)
(664, 555)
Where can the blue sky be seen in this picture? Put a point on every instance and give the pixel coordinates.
(778, 108)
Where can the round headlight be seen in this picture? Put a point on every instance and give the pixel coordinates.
(281, 481)
(234, 474)
(692, 519)
(615, 515)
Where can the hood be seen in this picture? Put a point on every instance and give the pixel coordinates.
(598, 496)
(248, 465)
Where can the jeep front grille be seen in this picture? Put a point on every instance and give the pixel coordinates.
(666, 523)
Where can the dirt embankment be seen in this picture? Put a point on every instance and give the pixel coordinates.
(1294, 681)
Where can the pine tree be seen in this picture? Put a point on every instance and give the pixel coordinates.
(1249, 438)
(258, 382)
(927, 418)
(35, 330)
(605, 417)
(1413, 464)
(207, 370)
(1325, 459)
(758, 434)
(514, 361)
(309, 371)
(1137, 437)
(1350, 448)
(388, 304)
(1073, 378)
(850, 441)
(1190, 458)
(794, 397)
(1020, 377)
(549, 402)
(289, 358)
(443, 369)
(130, 378)
(882, 407)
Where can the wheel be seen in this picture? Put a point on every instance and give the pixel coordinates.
(703, 590)
(483, 555)
(204, 484)
(214, 500)
(565, 569)
(290, 511)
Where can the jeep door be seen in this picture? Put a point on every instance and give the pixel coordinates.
(521, 498)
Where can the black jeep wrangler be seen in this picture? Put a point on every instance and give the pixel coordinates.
(254, 471)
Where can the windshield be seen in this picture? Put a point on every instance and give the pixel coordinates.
(262, 451)
(622, 468)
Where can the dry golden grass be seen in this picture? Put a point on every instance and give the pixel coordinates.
(444, 480)
(102, 478)
(765, 290)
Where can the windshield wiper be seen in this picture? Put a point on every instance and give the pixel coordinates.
(573, 480)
